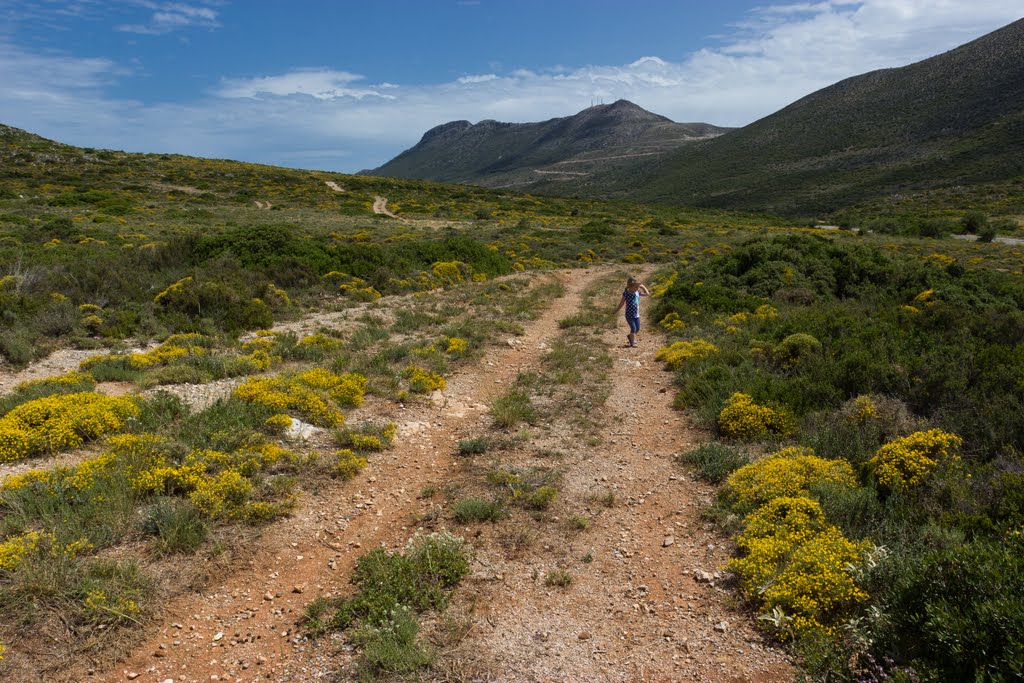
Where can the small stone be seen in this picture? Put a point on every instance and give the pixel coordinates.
(584, 635)
(297, 589)
(268, 596)
(669, 540)
(722, 627)
(131, 675)
(702, 576)
(218, 635)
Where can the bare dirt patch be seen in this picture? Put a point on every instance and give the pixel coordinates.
(380, 206)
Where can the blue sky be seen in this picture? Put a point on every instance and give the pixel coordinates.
(347, 85)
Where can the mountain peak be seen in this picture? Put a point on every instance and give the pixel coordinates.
(624, 110)
(522, 154)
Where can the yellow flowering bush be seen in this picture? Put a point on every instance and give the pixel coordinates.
(682, 353)
(35, 545)
(785, 474)
(281, 394)
(178, 290)
(797, 566)
(14, 550)
(278, 423)
(423, 381)
(222, 495)
(659, 288)
(348, 464)
(802, 578)
(672, 322)
(456, 346)
(352, 287)
(743, 418)
(863, 410)
(346, 390)
(174, 349)
(320, 341)
(260, 343)
(924, 298)
(65, 380)
(100, 608)
(317, 378)
(449, 272)
(904, 463)
(275, 297)
(59, 422)
(790, 514)
(366, 442)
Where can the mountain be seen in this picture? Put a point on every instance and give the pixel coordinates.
(953, 120)
(539, 155)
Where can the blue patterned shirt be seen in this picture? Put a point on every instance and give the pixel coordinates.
(632, 303)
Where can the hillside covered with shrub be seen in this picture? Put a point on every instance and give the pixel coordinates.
(883, 533)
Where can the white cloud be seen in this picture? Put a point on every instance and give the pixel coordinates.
(173, 16)
(333, 119)
(322, 84)
(483, 78)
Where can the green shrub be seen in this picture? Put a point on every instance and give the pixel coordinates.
(974, 222)
(558, 578)
(176, 525)
(477, 510)
(513, 407)
(475, 446)
(715, 460)
(392, 647)
(959, 610)
(540, 498)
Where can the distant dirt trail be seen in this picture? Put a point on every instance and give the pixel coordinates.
(380, 205)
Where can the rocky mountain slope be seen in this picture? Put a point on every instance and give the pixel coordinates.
(533, 155)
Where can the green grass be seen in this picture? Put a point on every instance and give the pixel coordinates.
(715, 461)
(176, 526)
(477, 510)
(392, 589)
(475, 446)
(558, 578)
(513, 408)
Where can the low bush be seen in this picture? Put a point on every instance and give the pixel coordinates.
(512, 408)
(788, 473)
(715, 460)
(477, 510)
(743, 418)
(391, 589)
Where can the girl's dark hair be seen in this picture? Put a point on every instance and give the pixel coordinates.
(630, 281)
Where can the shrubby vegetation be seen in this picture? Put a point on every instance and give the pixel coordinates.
(893, 545)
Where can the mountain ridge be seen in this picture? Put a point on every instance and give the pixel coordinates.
(499, 154)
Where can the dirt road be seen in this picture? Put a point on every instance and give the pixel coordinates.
(645, 603)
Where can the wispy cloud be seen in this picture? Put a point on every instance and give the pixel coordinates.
(334, 119)
(322, 84)
(168, 17)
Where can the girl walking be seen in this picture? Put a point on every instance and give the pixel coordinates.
(631, 300)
